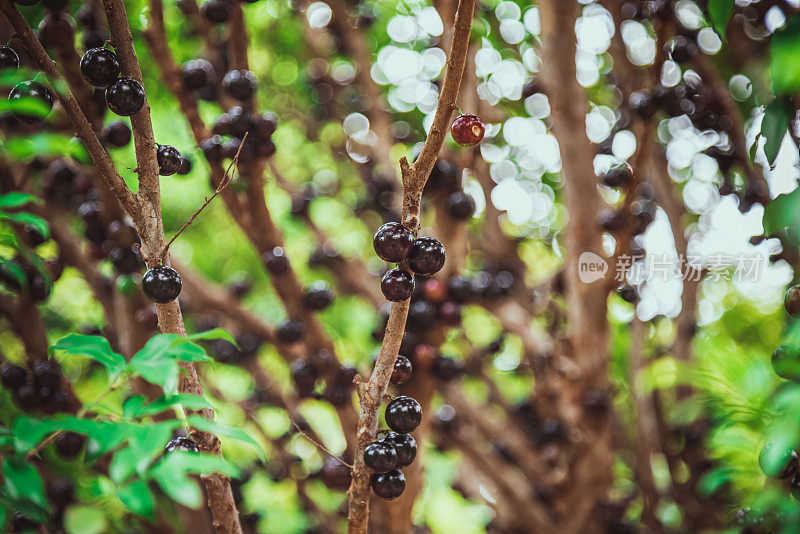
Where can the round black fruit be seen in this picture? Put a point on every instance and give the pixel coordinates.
(46, 373)
(397, 285)
(213, 148)
(290, 331)
(786, 362)
(161, 284)
(181, 444)
(12, 376)
(460, 205)
(276, 261)
(40, 97)
(240, 84)
(427, 256)
(125, 96)
(388, 485)
(100, 67)
(217, 11)
(402, 370)
(380, 457)
(404, 445)
(403, 414)
(186, 166)
(69, 444)
(618, 175)
(117, 134)
(169, 160)
(318, 296)
(8, 58)
(792, 301)
(392, 242)
(197, 74)
(56, 30)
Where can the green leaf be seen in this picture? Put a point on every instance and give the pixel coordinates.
(214, 333)
(28, 432)
(157, 361)
(172, 472)
(777, 116)
(28, 218)
(720, 12)
(44, 144)
(85, 520)
(201, 423)
(15, 270)
(146, 443)
(22, 481)
(784, 51)
(191, 402)
(782, 212)
(133, 407)
(137, 497)
(95, 347)
(16, 199)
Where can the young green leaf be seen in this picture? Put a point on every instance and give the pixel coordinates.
(782, 212)
(22, 481)
(214, 333)
(784, 50)
(774, 126)
(720, 12)
(28, 218)
(95, 347)
(137, 497)
(17, 199)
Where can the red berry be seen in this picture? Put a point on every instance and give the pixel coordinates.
(468, 130)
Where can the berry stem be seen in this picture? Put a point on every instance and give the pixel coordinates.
(413, 178)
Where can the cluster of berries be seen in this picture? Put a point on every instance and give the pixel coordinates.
(394, 243)
(395, 448)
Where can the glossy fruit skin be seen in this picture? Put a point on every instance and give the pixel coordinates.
(69, 444)
(31, 89)
(125, 96)
(792, 301)
(240, 84)
(117, 134)
(169, 160)
(181, 443)
(12, 376)
(186, 166)
(197, 73)
(397, 285)
(427, 256)
(392, 242)
(276, 261)
(786, 362)
(403, 414)
(100, 67)
(318, 296)
(402, 370)
(389, 485)
(618, 175)
(8, 58)
(213, 148)
(380, 457)
(290, 331)
(460, 205)
(161, 284)
(468, 130)
(217, 11)
(335, 475)
(404, 445)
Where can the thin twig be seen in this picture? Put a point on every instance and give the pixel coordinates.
(227, 178)
(319, 445)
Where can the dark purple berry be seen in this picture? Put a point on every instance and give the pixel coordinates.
(240, 84)
(69, 444)
(792, 301)
(169, 160)
(213, 148)
(117, 134)
(57, 30)
(40, 100)
(403, 414)
(181, 443)
(161, 284)
(290, 331)
(392, 242)
(125, 96)
(318, 296)
(404, 445)
(217, 11)
(276, 261)
(100, 67)
(12, 376)
(388, 485)
(8, 58)
(402, 370)
(397, 285)
(427, 256)
(618, 175)
(46, 373)
(197, 73)
(460, 205)
(380, 457)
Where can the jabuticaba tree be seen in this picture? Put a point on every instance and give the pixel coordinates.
(196, 335)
